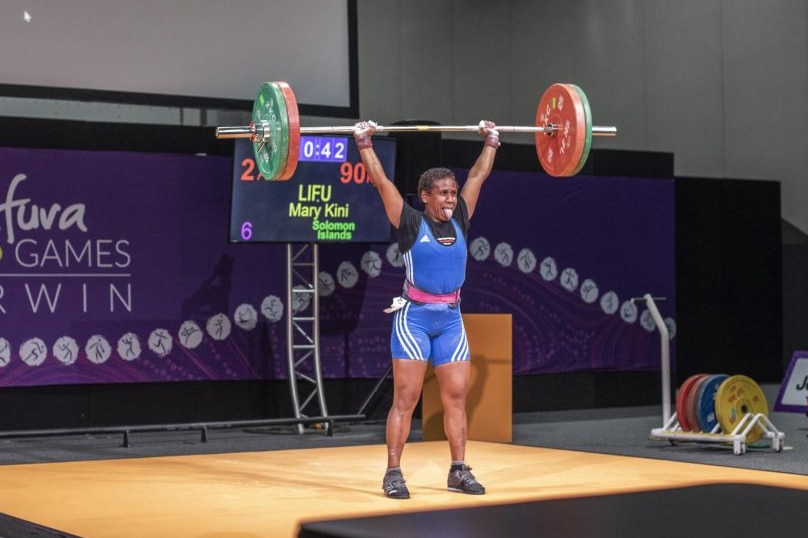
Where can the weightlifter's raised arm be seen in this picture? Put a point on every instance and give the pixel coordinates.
(391, 198)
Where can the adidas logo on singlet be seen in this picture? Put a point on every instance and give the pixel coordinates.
(424, 239)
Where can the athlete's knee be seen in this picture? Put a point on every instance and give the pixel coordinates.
(453, 396)
(406, 399)
(407, 391)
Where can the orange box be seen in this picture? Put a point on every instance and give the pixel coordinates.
(489, 403)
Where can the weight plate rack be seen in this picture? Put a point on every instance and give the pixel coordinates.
(738, 417)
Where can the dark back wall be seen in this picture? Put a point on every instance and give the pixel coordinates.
(729, 277)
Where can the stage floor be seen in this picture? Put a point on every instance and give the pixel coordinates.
(269, 494)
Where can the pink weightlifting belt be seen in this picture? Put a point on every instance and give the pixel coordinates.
(420, 296)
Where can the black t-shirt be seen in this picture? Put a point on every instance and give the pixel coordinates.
(444, 232)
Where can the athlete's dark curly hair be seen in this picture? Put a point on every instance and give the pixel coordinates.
(429, 178)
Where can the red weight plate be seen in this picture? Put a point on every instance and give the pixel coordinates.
(691, 405)
(681, 401)
(293, 117)
(560, 152)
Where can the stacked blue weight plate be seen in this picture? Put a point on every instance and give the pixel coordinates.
(705, 402)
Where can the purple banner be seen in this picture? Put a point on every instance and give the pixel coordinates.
(564, 256)
(116, 267)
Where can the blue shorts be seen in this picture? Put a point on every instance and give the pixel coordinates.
(429, 332)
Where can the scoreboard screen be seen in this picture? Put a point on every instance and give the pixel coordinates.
(328, 200)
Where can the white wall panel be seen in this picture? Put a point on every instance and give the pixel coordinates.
(684, 83)
(722, 84)
(766, 97)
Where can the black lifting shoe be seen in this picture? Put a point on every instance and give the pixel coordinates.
(394, 485)
(463, 481)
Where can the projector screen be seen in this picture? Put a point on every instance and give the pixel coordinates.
(204, 53)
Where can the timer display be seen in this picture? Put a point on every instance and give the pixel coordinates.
(323, 148)
(328, 199)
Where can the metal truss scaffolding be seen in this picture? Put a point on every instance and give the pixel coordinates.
(303, 333)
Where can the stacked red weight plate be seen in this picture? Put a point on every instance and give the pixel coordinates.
(684, 402)
(564, 145)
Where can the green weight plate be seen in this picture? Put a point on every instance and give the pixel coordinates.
(737, 396)
(272, 107)
(587, 131)
(560, 153)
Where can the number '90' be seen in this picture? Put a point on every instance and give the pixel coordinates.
(352, 172)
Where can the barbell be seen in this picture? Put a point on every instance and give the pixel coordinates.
(563, 130)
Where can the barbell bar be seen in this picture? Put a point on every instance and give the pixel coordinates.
(563, 130)
(250, 131)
